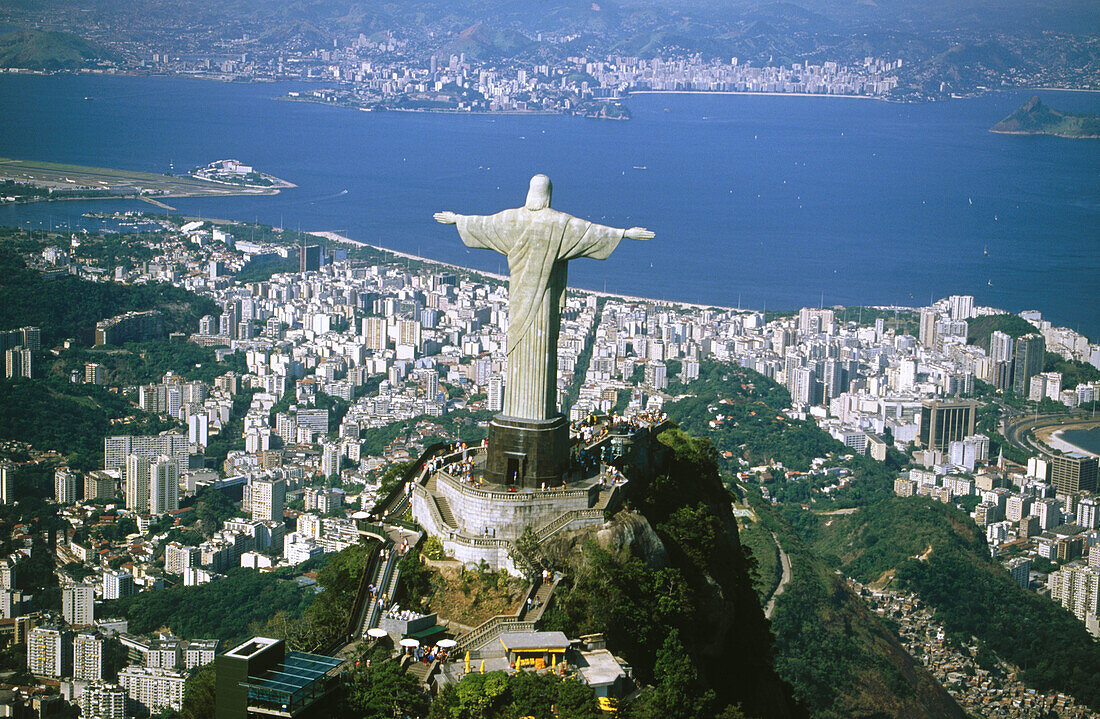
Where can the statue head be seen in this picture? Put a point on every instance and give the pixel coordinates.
(538, 196)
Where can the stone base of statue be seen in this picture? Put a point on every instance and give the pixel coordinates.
(526, 453)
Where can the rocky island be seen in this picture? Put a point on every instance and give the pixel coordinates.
(1035, 118)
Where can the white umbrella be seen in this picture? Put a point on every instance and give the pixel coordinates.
(376, 632)
(410, 642)
(446, 643)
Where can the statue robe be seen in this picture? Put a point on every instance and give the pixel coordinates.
(538, 244)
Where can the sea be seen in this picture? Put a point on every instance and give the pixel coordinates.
(763, 202)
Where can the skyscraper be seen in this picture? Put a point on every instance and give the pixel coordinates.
(266, 498)
(137, 483)
(78, 604)
(1030, 355)
(88, 656)
(310, 256)
(7, 469)
(927, 327)
(946, 421)
(1073, 472)
(65, 483)
(163, 486)
(962, 307)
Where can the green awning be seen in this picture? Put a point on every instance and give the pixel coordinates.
(429, 632)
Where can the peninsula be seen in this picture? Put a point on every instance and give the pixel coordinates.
(1035, 118)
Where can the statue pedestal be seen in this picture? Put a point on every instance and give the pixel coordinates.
(527, 453)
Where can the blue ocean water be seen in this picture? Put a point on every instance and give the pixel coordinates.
(756, 200)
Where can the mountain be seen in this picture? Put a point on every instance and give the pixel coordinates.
(1035, 118)
(37, 50)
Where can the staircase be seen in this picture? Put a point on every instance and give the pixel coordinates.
(445, 511)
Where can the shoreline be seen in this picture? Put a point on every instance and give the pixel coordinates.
(337, 237)
(1057, 442)
(749, 92)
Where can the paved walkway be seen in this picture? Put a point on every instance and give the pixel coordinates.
(785, 561)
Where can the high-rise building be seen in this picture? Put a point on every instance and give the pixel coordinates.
(310, 258)
(88, 656)
(18, 362)
(65, 482)
(1028, 362)
(178, 557)
(946, 421)
(50, 651)
(93, 373)
(1077, 588)
(267, 498)
(98, 485)
(1073, 472)
(137, 483)
(7, 472)
(927, 327)
(153, 690)
(164, 486)
(374, 333)
(1020, 567)
(1000, 347)
(496, 393)
(78, 604)
(116, 449)
(103, 701)
(962, 307)
(117, 585)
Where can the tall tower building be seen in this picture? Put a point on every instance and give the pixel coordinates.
(88, 656)
(374, 333)
(1000, 347)
(927, 328)
(137, 483)
(65, 483)
(7, 470)
(310, 258)
(78, 604)
(945, 421)
(164, 486)
(1030, 355)
(266, 498)
(1073, 472)
(50, 652)
(962, 307)
(496, 393)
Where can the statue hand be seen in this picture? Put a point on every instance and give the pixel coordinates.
(446, 218)
(638, 233)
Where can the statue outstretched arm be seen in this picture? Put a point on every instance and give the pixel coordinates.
(635, 233)
(446, 217)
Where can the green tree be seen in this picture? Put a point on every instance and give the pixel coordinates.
(198, 694)
(377, 689)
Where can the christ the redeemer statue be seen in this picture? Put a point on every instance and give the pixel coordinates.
(539, 242)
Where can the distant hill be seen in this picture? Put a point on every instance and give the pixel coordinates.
(1035, 118)
(38, 50)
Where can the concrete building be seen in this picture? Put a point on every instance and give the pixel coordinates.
(163, 486)
(50, 652)
(65, 482)
(103, 701)
(1077, 588)
(1028, 362)
(88, 656)
(267, 498)
(1073, 472)
(946, 421)
(78, 604)
(7, 472)
(152, 690)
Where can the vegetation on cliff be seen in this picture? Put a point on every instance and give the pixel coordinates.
(1035, 118)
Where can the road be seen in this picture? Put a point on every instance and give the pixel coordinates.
(1020, 431)
(785, 561)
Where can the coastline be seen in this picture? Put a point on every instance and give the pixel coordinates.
(1057, 442)
(336, 237)
(748, 92)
